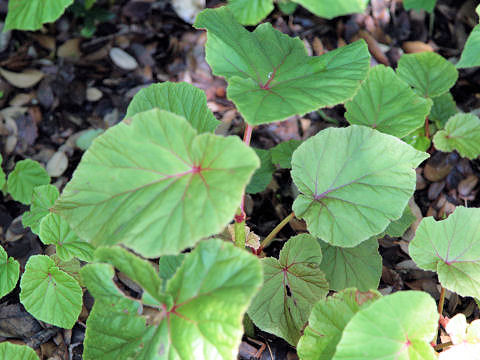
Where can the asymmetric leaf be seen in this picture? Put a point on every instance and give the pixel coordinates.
(386, 103)
(152, 201)
(43, 199)
(249, 12)
(360, 266)
(331, 9)
(263, 176)
(9, 273)
(291, 286)
(348, 192)
(443, 108)
(428, 73)
(179, 98)
(16, 352)
(427, 5)
(282, 153)
(462, 133)
(470, 55)
(49, 294)
(327, 321)
(24, 178)
(451, 247)
(398, 326)
(270, 76)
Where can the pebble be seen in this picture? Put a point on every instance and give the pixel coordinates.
(122, 59)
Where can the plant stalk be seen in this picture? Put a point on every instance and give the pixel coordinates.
(239, 229)
(276, 230)
(247, 136)
(441, 301)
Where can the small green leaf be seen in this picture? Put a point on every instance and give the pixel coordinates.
(9, 273)
(55, 230)
(462, 133)
(49, 294)
(287, 7)
(179, 98)
(43, 199)
(282, 153)
(332, 9)
(444, 107)
(471, 50)
(418, 140)
(24, 178)
(270, 76)
(397, 326)
(9, 351)
(3, 179)
(292, 285)
(386, 103)
(398, 227)
(451, 248)
(85, 139)
(263, 176)
(249, 12)
(168, 265)
(348, 192)
(71, 267)
(327, 321)
(427, 5)
(360, 266)
(428, 73)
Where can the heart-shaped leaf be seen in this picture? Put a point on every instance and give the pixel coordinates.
(9, 273)
(24, 178)
(444, 107)
(471, 50)
(270, 76)
(263, 176)
(282, 153)
(427, 5)
(331, 9)
(349, 192)
(292, 285)
(249, 12)
(451, 247)
(151, 200)
(16, 352)
(43, 198)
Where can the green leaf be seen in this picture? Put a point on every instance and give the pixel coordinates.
(168, 265)
(428, 73)
(24, 178)
(398, 227)
(427, 5)
(282, 153)
(386, 103)
(71, 267)
(397, 326)
(263, 176)
(43, 199)
(16, 352)
(85, 139)
(3, 179)
(32, 14)
(55, 230)
(462, 133)
(179, 98)
(287, 7)
(360, 266)
(332, 9)
(444, 107)
(348, 192)
(291, 286)
(270, 76)
(9, 273)
(249, 12)
(144, 183)
(327, 321)
(418, 140)
(49, 294)
(451, 248)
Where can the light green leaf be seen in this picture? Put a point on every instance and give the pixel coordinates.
(179, 98)
(55, 230)
(451, 247)
(360, 266)
(145, 184)
(398, 326)
(270, 76)
(470, 55)
(248, 12)
(462, 133)
(287, 7)
(71, 267)
(428, 73)
(9, 351)
(43, 198)
(263, 176)
(32, 14)
(24, 178)
(292, 285)
(444, 107)
(168, 265)
(418, 140)
(386, 103)
(282, 153)
(49, 294)
(327, 321)
(3, 179)
(85, 139)
(348, 192)
(332, 9)
(427, 5)
(398, 227)
(9, 273)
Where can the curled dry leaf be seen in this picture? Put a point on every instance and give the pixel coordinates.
(252, 239)
(24, 79)
(57, 164)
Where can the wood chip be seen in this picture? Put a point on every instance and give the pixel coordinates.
(57, 164)
(70, 49)
(24, 79)
(122, 59)
(416, 47)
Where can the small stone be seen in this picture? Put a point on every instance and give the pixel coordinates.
(467, 185)
(122, 59)
(57, 164)
(93, 94)
(439, 166)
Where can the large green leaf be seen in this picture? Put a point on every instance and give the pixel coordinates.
(451, 247)
(248, 12)
(386, 103)
(148, 183)
(462, 133)
(9, 351)
(43, 199)
(444, 107)
(429, 73)
(263, 176)
(353, 181)
(211, 290)
(179, 98)
(470, 57)
(9, 273)
(398, 326)
(360, 266)
(24, 178)
(270, 76)
(427, 5)
(282, 153)
(327, 321)
(331, 9)
(49, 294)
(292, 285)
(32, 14)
